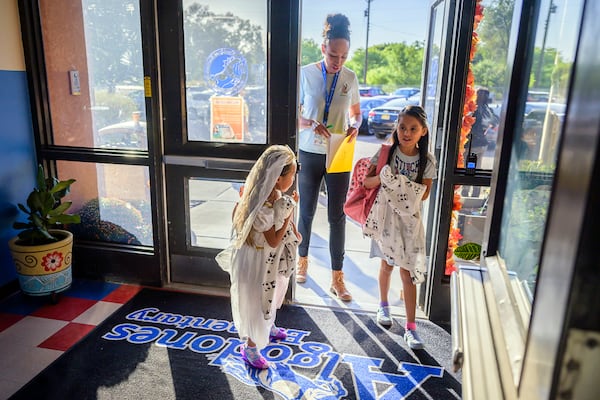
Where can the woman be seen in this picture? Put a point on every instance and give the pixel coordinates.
(329, 105)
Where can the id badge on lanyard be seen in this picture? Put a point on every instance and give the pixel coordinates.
(328, 98)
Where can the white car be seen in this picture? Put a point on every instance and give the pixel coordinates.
(124, 135)
(406, 92)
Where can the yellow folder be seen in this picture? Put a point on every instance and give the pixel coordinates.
(340, 153)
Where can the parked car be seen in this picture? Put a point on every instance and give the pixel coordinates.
(370, 91)
(366, 104)
(382, 119)
(539, 96)
(124, 135)
(198, 103)
(541, 106)
(406, 92)
(415, 98)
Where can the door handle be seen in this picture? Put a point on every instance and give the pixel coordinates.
(228, 164)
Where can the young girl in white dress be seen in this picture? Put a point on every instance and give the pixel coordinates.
(262, 254)
(394, 223)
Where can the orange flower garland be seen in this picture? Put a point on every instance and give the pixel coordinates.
(470, 104)
(468, 120)
(455, 235)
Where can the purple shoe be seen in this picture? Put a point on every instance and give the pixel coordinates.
(259, 363)
(279, 335)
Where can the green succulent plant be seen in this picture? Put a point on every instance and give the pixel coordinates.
(45, 211)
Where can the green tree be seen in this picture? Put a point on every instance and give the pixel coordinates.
(489, 74)
(113, 40)
(390, 65)
(311, 51)
(554, 71)
(112, 34)
(206, 31)
(561, 73)
(489, 63)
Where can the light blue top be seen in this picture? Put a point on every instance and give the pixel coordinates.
(312, 101)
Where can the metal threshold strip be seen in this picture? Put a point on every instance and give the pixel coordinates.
(472, 338)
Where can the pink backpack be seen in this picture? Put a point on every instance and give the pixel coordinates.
(359, 199)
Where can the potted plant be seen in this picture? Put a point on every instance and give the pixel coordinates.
(42, 251)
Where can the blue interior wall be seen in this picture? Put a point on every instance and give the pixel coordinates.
(17, 160)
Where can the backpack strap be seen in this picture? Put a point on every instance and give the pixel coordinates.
(383, 156)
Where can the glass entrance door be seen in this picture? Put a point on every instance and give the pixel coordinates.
(221, 87)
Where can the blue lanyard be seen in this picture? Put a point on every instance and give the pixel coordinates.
(328, 95)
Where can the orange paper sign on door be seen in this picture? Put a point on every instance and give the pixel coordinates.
(227, 115)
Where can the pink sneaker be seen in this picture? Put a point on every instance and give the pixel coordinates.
(279, 334)
(256, 360)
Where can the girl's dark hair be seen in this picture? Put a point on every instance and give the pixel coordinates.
(336, 27)
(423, 144)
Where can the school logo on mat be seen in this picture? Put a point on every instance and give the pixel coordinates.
(298, 369)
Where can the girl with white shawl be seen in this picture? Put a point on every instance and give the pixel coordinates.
(262, 254)
(394, 223)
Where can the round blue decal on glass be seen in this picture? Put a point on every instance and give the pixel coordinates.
(226, 71)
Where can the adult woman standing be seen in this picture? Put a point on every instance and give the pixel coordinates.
(329, 105)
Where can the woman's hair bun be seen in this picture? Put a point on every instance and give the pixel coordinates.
(336, 27)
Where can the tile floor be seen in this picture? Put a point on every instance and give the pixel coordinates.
(34, 332)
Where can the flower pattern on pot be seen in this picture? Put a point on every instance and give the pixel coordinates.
(52, 261)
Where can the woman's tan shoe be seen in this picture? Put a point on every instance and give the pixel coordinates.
(338, 287)
(302, 269)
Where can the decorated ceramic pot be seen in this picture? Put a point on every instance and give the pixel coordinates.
(44, 269)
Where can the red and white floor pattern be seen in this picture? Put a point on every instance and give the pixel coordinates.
(34, 332)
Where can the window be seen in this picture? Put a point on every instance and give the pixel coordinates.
(226, 81)
(113, 202)
(486, 85)
(93, 55)
(95, 86)
(535, 145)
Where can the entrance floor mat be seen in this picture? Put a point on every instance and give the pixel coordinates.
(171, 345)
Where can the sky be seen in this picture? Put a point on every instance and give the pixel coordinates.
(395, 21)
(391, 21)
(563, 26)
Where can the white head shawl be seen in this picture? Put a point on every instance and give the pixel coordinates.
(259, 184)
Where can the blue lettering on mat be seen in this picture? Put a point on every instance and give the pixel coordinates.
(284, 375)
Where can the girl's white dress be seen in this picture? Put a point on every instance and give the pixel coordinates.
(260, 273)
(394, 223)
